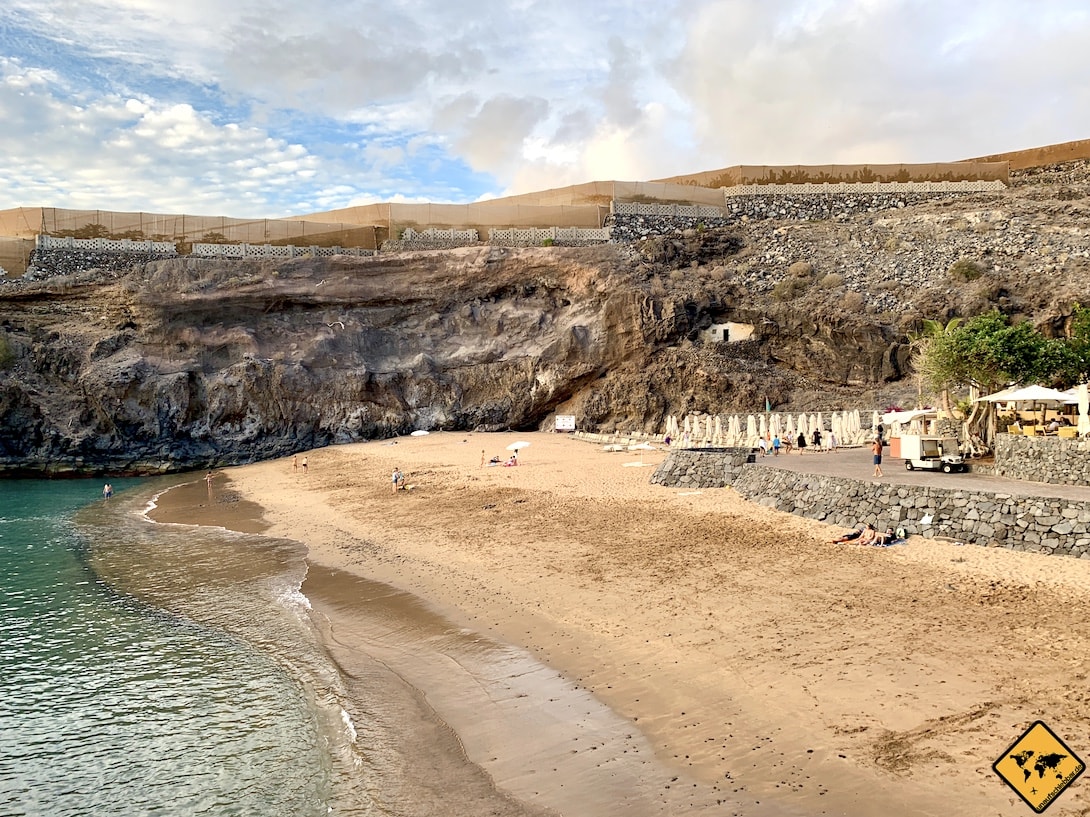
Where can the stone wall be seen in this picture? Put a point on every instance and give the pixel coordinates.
(1037, 524)
(702, 467)
(1043, 459)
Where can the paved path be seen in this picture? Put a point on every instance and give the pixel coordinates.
(855, 463)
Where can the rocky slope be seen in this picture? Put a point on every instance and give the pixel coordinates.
(187, 363)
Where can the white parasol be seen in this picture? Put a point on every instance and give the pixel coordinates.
(419, 433)
(518, 445)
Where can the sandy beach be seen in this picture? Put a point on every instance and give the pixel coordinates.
(623, 648)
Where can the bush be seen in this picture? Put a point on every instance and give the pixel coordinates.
(790, 288)
(852, 301)
(801, 269)
(965, 270)
(832, 280)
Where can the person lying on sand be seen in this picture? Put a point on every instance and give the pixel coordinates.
(850, 536)
(869, 535)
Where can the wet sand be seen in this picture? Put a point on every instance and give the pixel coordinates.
(707, 639)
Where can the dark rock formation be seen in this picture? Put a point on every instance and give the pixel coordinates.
(184, 363)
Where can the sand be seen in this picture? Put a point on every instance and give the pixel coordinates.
(713, 655)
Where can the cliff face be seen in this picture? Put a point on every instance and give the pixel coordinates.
(181, 364)
(185, 363)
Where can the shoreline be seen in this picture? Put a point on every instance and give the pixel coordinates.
(775, 671)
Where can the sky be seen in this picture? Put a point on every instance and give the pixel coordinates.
(280, 108)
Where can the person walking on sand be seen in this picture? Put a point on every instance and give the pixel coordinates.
(304, 465)
(107, 491)
(397, 478)
(208, 480)
(876, 450)
(295, 462)
(482, 458)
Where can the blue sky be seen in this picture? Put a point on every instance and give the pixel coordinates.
(264, 109)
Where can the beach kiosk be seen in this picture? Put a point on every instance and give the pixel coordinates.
(906, 422)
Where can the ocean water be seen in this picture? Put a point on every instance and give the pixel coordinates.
(153, 669)
(167, 669)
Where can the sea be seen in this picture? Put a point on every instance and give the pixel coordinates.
(159, 669)
(150, 668)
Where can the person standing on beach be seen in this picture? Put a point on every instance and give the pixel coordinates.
(397, 478)
(876, 450)
(295, 462)
(776, 445)
(801, 443)
(304, 465)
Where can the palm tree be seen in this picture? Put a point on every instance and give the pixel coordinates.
(919, 341)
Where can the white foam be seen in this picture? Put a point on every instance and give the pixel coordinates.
(349, 727)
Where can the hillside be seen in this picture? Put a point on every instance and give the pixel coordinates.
(184, 363)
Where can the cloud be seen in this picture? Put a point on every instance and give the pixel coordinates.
(269, 107)
(866, 81)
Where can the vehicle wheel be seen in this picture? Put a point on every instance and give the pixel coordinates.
(946, 469)
(908, 464)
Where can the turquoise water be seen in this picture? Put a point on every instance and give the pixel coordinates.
(143, 669)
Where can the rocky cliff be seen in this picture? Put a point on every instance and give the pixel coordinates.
(186, 363)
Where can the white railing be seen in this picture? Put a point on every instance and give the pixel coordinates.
(842, 188)
(435, 234)
(273, 251)
(48, 242)
(632, 208)
(538, 235)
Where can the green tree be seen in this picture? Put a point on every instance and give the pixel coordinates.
(988, 352)
(1076, 368)
(926, 368)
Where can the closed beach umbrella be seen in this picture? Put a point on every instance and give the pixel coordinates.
(696, 428)
(774, 424)
(875, 420)
(1084, 409)
(751, 430)
(688, 424)
(804, 426)
(763, 425)
(792, 432)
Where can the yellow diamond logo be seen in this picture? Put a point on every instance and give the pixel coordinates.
(1038, 766)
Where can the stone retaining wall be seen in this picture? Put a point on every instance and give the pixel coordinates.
(1037, 524)
(702, 468)
(1057, 460)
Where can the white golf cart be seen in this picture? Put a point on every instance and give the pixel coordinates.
(932, 454)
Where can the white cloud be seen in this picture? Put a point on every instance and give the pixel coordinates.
(258, 106)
